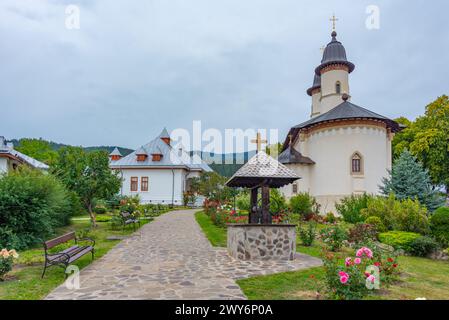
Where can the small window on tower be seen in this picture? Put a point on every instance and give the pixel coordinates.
(356, 164)
(338, 87)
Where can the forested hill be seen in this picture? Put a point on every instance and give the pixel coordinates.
(224, 164)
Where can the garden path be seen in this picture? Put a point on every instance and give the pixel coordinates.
(171, 258)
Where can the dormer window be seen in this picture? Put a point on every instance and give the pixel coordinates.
(156, 157)
(338, 87)
(141, 154)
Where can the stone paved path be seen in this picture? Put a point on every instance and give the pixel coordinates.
(170, 258)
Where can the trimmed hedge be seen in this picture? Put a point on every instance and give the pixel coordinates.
(439, 224)
(399, 239)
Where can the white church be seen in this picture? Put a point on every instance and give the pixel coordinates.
(343, 149)
(157, 172)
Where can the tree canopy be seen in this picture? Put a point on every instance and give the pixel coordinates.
(38, 149)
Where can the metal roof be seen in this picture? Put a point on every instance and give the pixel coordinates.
(262, 169)
(164, 134)
(115, 152)
(171, 158)
(291, 156)
(6, 150)
(348, 110)
(334, 53)
(316, 84)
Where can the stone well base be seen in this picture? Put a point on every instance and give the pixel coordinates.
(262, 242)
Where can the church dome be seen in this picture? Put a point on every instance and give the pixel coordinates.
(334, 53)
(316, 84)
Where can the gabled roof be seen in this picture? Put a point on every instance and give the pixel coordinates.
(291, 156)
(164, 134)
(262, 169)
(171, 158)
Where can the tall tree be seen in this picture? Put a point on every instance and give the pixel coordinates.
(428, 139)
(408, 179)
(38, 149)
(88, 175)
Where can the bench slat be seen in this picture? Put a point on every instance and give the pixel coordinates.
(81, 253)
(56, 241)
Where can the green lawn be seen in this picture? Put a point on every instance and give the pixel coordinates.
(216, 235)
(420, 277)
(25, 282)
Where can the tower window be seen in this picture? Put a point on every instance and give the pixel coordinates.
(338, 88)
(356, 164)
(294, 188)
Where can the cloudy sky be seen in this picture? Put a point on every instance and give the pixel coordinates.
(136, 66)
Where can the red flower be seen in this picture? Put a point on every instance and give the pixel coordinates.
(390, 259)
(377, 264)
(395, 265)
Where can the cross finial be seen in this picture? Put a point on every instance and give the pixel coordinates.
(259, 141)
(334, 20)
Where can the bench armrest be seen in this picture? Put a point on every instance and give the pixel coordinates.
(92, 241)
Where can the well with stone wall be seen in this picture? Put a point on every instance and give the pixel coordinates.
(262, 242)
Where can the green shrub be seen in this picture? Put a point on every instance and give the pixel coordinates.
(439, 223)
(32, 205)
(350, 207)
(103, 218)
(330, 218)
(399, 239)
(242, 202)
(100, 210)
(303, 204)
(423, 246)
(376, 222)
(333, 237)
(277, 201)
(362, 233)
(116, 222)
(407, 215)
(307, 235)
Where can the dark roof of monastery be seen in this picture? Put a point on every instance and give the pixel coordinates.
(291, 156)
(344, 111)
(316, 84)
(334, 53)
(262, 169)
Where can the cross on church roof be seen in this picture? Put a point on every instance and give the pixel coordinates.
(259, 141)
(333, 19)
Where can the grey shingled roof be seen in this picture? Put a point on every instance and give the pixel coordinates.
(348, 110)
(334, 53)
(291, 156)
(164, 134)
(171, 158)
(261, 168)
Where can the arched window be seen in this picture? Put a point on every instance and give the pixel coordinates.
(338, 87)
(356, 163)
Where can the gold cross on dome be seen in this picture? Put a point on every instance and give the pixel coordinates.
(333, 19)
(259, 141)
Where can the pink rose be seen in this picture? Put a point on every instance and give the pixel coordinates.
(371, 278)
(359, 253)
(343, 274)
(344, 279)
(357, 261)
(348, 261)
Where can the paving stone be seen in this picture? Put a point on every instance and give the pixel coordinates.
(170, 258)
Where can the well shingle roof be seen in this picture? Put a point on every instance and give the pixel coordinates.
(261, 168)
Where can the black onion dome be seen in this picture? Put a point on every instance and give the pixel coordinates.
(316, 84)
(334, 53)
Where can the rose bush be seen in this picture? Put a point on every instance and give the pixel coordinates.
(6, 261)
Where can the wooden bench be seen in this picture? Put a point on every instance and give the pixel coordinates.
(129, 219)
(65, 257)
